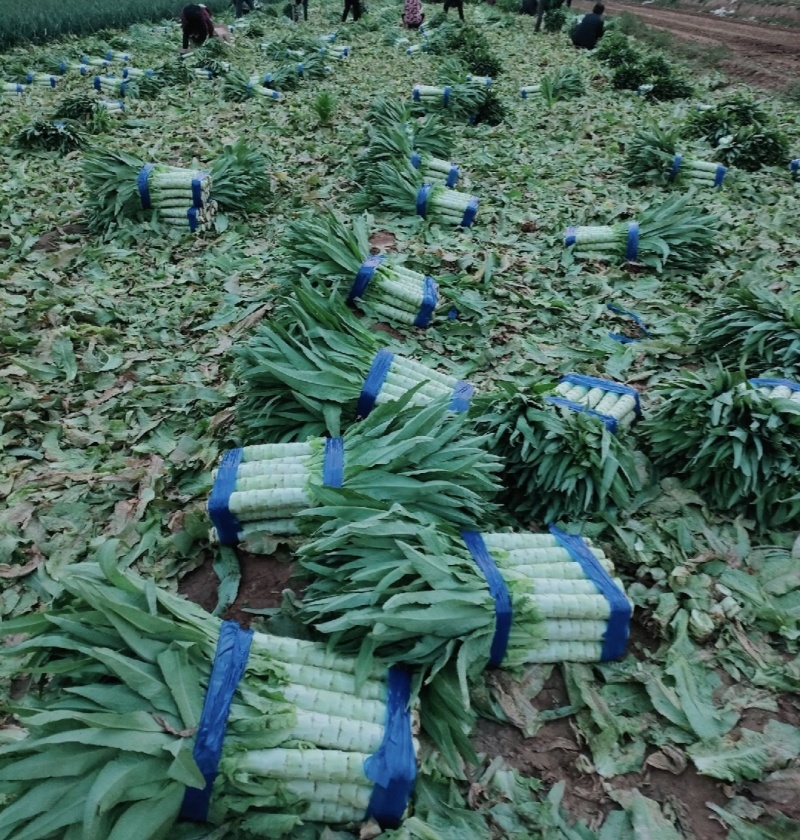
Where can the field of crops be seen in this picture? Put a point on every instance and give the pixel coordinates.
(134, 354)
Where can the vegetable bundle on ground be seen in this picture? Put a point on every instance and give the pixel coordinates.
(468, 44)
(314, 368)
(562, 83)
(652, 157)
(653, 77)
(137, 690)
(422, 457)
(732, 443)
(428, 134)
(616, 405)
(51, 135)
(387, 583)
(673, 236)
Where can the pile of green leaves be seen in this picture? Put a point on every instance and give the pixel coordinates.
(85, 109)
(735, 446)
(653, 76)
(468, 44)
(562, 83)
(755, 328)
(51, 136)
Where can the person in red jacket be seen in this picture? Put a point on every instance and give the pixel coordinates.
(197, 24)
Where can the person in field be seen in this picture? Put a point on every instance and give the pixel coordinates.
(355, 6)
(243, 7)
(412, 14)
(455, 4)
(196, 24)
(590, 30)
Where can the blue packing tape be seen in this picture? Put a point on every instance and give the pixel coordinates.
(498, 590)
(422, 199)
(609, 422)
(191, 216)
(300, 69)
(462, 394)
(416, 160)
(415, 94)
(452, 176)
(373, 382)
(230, 662)
(83, 70)
(569, 235)
(142, 184)
(523, 93)
(62, 67)
(365, 274)
(109, 55)
(125, 73)
(719, 175)
(430, 297)
(52, 81)
(606, 385)
(225, 523)
(469, 213)
(393, 767)
(775, 383)
(29, 78)
(452, 314)
(267, 78)
(623, 339)
(794, 166)
(446, 96)
(20, 89)
(676, 165)
(615, 639)
(96, 83)
(632, 245)
(197, 189)
(333, 462)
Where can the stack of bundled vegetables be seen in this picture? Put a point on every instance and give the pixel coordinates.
(390, 583)
(424, 458)
(732, 443)
(562, 83)
(651, 75)
(12, 87)
(237, 87)
(324, 247)
(138, 688)
(338, 51)
(778, 389)
(674, 235)
(616, 405)
(315, 369)
(652, 158)
(41, 80)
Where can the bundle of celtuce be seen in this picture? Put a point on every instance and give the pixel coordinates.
(90, 111)
(730, 442)
(675, 236)
(461, 100)
(40, 80)
(616, 405)
(12, 88)
(562, 83)
(51, 135)
(414, 49)
(314, 369)
(237, 87)
(398, 187)
(385, 582)
(421, 457)
(778, 389)
(149, 710)
(428, 134)
(652, 158)
(240, 176)
(95, 62)
(59, 66)
(112, 86)
(435, 170)
(136, 73)
(339, 51)
(324, 247)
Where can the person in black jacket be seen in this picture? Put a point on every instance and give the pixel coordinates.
(590, 30)
(455, 4)
(354, 6)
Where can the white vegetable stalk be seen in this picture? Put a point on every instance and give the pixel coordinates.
(530, 91)
(485, 81)
(12, 87)
(620, 407)
(113, 107)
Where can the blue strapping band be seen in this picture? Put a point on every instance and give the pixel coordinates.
(676, 165)
(365, 274)
(606, 385)
(623, 339)
(719, 175)
(470, 212)
(63, 67)
(225, 523)
(523, 93)
(498, 590)
(415, 94)
(393, 767)
(52, 81)
(794, 166)
(125, 73)
(142, 184)
(462, 394)
(333, 462)
(609, 422)
(83, 69)
(422, 199)
(416, 160)
(446, 96)
(615, 639)
(452, 176)
(197, 189)
(569, 235)
(267, 78)
(775, 383)
(109, 55)
(373, 382)
(430, 297)
(96, 83)
(20, 89)
(29, 78)
(632, 246)
(300, 69)
(230, 662)
(191, 216)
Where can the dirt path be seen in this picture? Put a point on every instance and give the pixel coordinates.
(761, 55)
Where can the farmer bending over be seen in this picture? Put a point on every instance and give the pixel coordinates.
(197, 24)
(590, 30)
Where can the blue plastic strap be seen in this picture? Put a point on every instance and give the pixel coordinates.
(569, 235)
(197, 189)
(53, 81)
(365, 274)
(415, 94)
(452, 176)
(632, 246)
(676, 165)
(416, 160)
(62, 67)
(523, 93)
(422, 199)
(191, 216)
(225, 523)
(615, 639)
(430, 297)
(609, 422)
(83, 70)
(794, 166)
(775, 383)
(623, 339)
(393, 767)
(230, 662)
(373, 382)
(446, 96)
(333, 462)
(96, 83)
(29, 77)
(109, 55)
(462, 394)
(606, 385)
(469, 213)
(719, 175)
(498, 590)
(300, 69)
(142, 184)
(125, 73)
